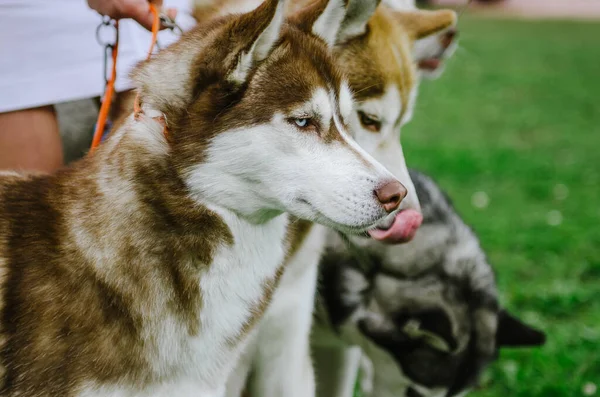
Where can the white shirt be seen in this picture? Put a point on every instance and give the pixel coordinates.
(49, 52)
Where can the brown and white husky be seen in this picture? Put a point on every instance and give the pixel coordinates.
(376, 51)
(143, 269)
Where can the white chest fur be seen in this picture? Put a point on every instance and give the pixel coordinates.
(232, 289)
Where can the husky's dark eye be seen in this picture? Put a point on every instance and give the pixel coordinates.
(369, 122)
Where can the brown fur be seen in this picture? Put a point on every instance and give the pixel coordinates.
(297, 232)
(93, 256)
(217, 107)
(307, 14)
(63, 320)
(422, 23)
(121, 107)
(375, 60)
(370, 62)
(379, 58)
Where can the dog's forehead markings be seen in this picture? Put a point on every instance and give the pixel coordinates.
(405, 83)
(336, 118)
(326, 26)
(410, 106)
(346, 101)
(389, 107)
(396, 54)
(322, 106)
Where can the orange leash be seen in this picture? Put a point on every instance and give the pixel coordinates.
(137, 107)
(110, 85)
(108, 93)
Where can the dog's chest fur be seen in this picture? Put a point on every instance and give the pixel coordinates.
(127, 304)
(243, 295)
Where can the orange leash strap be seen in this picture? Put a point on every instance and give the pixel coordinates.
(137, 107)
(110, 85)
(108, 93)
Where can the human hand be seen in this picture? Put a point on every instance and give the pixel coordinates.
(137, 10)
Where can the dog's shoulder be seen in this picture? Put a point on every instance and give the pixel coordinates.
(21, 196)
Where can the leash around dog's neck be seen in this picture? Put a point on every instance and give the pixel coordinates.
(110, 82)
(137, 105)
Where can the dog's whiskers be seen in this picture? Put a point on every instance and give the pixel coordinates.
(366, 88)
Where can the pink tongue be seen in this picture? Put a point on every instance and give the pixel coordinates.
(402, 230)
(430, 64)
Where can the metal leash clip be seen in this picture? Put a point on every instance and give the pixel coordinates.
(169, 23)
(106, 23)
(108, 41)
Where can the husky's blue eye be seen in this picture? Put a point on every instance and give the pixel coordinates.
(301, 122)
(304, 123)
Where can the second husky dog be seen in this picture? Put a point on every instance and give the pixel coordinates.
(384, 77)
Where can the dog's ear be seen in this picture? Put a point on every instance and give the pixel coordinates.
(261, 28)
(231, 50)
(432, 326)
(357, 17)
(422, 23)
(512, 332)
(322, 18)
(433, 35)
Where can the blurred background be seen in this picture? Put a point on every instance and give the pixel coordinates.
(512, 132)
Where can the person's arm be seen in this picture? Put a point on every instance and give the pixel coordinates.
(134, 9)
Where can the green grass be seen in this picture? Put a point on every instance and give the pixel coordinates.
(516, 114)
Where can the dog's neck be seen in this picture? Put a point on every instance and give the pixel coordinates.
(138, 154)
(211, 183)
(137, 191)
(133, 165)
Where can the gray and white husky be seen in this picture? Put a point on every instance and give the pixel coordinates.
(426, 313)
